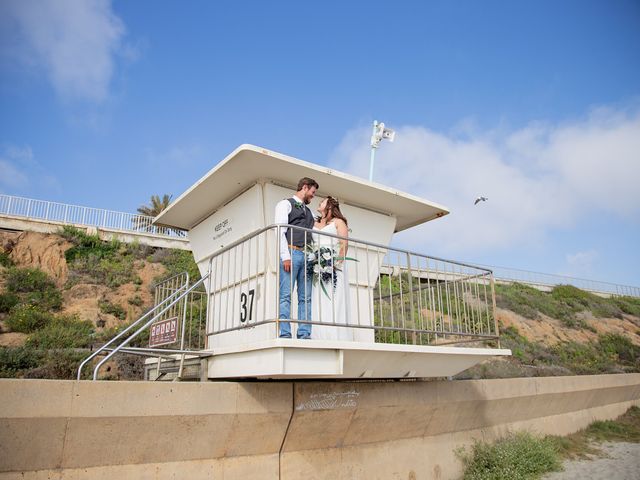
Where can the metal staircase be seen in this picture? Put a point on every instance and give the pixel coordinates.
(176, 361)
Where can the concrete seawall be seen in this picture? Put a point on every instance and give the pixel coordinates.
(68, 430)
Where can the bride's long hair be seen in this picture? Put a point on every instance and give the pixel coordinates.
(333, 208)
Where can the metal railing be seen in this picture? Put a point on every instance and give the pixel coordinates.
(508, 274)
(380, 294)
(86, 216)
(145, 326)
(191, 311)
(172, 297)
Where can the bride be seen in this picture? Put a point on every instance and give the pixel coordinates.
(330, 304)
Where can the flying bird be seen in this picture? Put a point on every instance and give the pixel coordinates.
(480, 199)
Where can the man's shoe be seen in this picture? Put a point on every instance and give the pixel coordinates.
(305, 337)
(285, 335)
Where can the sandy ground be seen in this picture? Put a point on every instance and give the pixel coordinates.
(619, 461)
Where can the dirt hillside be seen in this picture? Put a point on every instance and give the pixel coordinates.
(550, 331)
(83, 299)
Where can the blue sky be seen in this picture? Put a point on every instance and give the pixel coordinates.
(535, 105)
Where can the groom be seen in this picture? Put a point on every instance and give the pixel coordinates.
(294, 211)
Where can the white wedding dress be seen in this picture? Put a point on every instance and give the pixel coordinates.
(331, 308)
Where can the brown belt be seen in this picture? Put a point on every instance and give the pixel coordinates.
(296, 248)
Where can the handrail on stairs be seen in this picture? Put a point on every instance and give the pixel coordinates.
(147, 324)
(121, 334)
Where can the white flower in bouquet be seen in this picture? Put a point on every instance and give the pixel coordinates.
(327, 269)
(316, 268)
(311, 257)
(326, 255)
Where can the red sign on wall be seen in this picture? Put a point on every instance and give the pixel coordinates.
(164, 332)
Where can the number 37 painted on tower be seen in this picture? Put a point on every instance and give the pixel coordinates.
(246, 311)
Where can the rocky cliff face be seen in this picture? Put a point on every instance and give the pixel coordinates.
(86, 300)
(39, 250)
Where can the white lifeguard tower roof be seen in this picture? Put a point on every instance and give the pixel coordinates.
(249, 163)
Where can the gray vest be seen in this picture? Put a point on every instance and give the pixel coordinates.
(299, 216)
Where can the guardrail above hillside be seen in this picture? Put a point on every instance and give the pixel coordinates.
(42, 210)
(550, 280)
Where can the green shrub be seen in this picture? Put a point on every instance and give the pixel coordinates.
(178, 261)
(624, 429)
(59, 364)
(136, 301)
(581, 444)
(8, 301)
(611, 353)
(86, 245)
(106, 334)
(62, 332)
(572, 296)
(142, 340)
(195, 326)
(15, 360)
(26, 280)
(390, 284)
(112, 271)
(34, 287)
(130, 367)
(518, 456)
(528, 301)
(107, 307)
(138, 250)
(611, 430)
(584, 358)
(92, 259)
(5, 260)
(26, 318)
(72, 234)
(195, 334)
(629, 305)
(529, 353)
(117, 271)
(578, 300)
(621, 348)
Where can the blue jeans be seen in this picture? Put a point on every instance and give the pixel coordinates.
(288, 280)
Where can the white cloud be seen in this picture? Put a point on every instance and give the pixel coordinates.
(580, 264)
(537, 178)
(73, 41)
(10, 176)
(183, 156)
(21, 174)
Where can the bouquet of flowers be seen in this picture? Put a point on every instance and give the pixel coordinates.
(323, 265)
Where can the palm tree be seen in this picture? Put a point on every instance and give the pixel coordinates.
(156, 206)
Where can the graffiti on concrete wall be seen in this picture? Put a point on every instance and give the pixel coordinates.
(330, 401)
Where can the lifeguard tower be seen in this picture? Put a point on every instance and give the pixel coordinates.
(408, 315)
